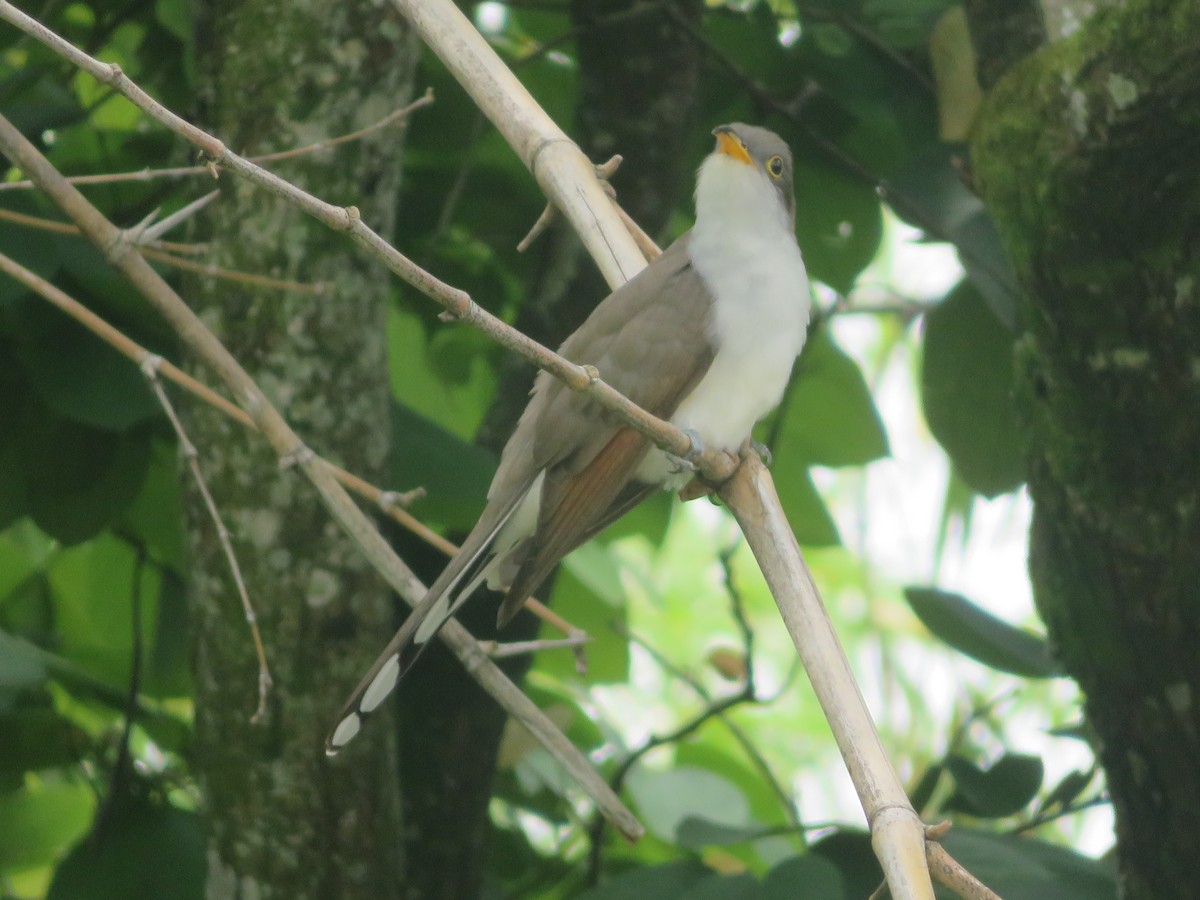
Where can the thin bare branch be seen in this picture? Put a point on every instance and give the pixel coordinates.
(391, 118)
(150, 366)
(946, 870)
(503, 650)
(320, 289)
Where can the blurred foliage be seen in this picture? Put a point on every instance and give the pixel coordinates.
(92, 563)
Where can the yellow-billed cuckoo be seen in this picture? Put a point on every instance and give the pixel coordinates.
(704, 336)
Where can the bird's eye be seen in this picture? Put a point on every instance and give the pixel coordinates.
(775, 166)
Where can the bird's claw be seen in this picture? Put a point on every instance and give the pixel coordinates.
(688, 461)
(763, 451)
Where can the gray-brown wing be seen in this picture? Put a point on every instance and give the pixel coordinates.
(648, 339)
(652, 345)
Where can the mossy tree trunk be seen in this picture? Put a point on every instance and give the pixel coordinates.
(1087, 154)
(284, 821)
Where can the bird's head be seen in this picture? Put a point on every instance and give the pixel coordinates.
(747, 178)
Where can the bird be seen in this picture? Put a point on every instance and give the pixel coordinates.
(704, 336)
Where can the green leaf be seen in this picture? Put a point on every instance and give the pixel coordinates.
(752, 38)
(41, 819)
(831, 39)
(14, 491)
(807, 877)
(665, 882)
(445, 378)
(78, 375)
(24, 551)
(665, 799)
(1021, 868)
(696, 832)
(14, 494)
(983, 256)
(567, 714)
(840, 226)
(38, 738)
(79, 478)
(92, 589)
(980, 635)
(454, 473)
(156, 513)
(176, 17)
(1079, 731)
(923, 792)
(742, 886)
(34, 100)
(830, 419)
(21, 663)
(805, 510)
(935, 199)
(168, 671)
(589, 605)
(149, 851)
(850, 850)
(649, 519)
(764, 802)
(966, 387)
(41, 256)
(1002, 790)
(598, 568)
(1072, 785)
(902, 23)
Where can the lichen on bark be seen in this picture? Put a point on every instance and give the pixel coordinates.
(283, 820)
(1085, 153)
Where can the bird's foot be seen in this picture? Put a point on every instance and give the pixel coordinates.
(687, 462)
(763, 451)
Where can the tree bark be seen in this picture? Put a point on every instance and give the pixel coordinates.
(1086, 154)
(283, 820)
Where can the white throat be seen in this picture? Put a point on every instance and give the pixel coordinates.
(744, 248)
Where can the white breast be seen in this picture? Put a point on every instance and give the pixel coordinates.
(744, 249)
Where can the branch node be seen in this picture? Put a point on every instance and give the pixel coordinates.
(389, 500)
(544, 144)
(938, 831)
(150, 365)
(465, 308)
(608, 168)
(115, 249)
(298, 457)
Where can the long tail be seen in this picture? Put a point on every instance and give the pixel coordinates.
(462, 576)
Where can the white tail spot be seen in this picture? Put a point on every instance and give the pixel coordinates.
(344, 733)
(381, 685)
(437, 615)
